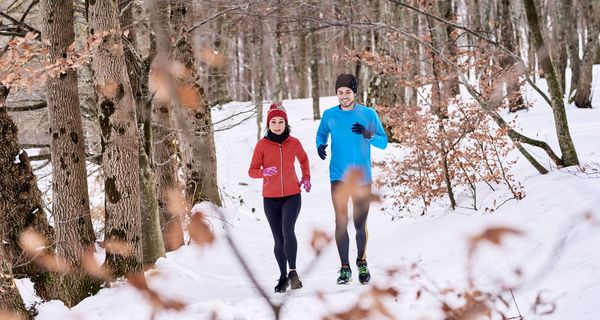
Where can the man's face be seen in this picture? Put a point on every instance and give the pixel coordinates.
(346, 96)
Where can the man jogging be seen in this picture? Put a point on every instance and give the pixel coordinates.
(353, 128)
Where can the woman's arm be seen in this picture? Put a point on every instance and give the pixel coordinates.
(255, 170)
(304, 163)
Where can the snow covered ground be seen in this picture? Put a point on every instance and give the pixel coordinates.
(558, 255)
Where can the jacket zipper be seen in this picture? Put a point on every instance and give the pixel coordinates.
(281, 161)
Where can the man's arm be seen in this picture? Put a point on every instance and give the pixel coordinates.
(323, 131)
(380, 139)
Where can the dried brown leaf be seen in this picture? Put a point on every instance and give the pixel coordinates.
(320, 239)
(54, 263)
(189, 96)
(93, 268)
(32, 242)
(176, 204)
(118, 247)
(11, 315)
(110, 90)
(211, 58)
(494, 235)
(200, 231)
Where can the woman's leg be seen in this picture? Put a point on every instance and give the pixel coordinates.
(290, 212)
(273, 212)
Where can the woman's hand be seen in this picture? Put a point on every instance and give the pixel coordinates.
(270, 171)
(305, 183)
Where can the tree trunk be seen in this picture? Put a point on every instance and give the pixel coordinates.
(562, 58)
(447, 11)
(314, 74)
(278, 93)
(217, 72)
(197, 138)
(507, 38)
(119, 141)
(259, 89)
(302, 80)
(152, 242)
(21, 204)
(164, 137)
(583, 97)
(70, 200)
(566, 15)
(11, 303)
(567, 148)
(153, 245)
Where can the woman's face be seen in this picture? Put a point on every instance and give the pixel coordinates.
(277, 125)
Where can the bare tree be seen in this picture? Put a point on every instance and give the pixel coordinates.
(11, 303)
(163, 137)
(583, 97)
(137, 69)
(278, 55)
(193, 115)
(314, 74)
(259, 76)
(70, 202)
(567, 148)
(120, 141)
(21, 203)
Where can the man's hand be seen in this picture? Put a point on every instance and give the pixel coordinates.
(270, 171)
(321, 151)
(360, 129)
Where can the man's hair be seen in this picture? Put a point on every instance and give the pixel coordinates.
(346, 80)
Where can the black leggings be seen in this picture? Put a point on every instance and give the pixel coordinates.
(360, 201)
(282, 214)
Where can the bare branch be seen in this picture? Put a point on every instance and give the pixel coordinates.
(20, 23)
(488, 107)
(480, 37)
(37, 106)
(33, 145)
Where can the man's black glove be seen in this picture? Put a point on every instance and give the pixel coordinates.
(360, 129)
(321, 151)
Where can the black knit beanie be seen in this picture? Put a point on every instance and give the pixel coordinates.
(346, 80)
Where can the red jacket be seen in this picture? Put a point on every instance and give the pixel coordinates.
(269, 153)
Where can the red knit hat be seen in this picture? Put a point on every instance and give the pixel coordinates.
(276, 110)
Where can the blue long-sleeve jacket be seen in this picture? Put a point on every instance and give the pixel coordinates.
(349, 149)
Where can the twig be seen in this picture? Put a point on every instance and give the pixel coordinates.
(36, 106)
(516, 305)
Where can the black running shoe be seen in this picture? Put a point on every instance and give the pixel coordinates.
(294, 280)
(282, 284)
(345, 275)
(363, 271)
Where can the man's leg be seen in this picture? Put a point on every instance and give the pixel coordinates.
(339, 197)
(361, 204)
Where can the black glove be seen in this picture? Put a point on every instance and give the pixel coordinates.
(360, 129)
(321, 151)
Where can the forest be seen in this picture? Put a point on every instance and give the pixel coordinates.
(119, 120)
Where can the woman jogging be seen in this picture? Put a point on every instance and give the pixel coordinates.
(273, 161)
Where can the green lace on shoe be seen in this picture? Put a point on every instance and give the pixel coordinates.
(362, 269)
(345, 276)
(345, 273)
